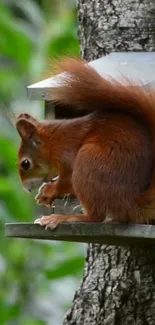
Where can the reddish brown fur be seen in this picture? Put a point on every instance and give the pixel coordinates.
(106, 158)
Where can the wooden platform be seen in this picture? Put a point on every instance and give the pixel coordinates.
(111, 234)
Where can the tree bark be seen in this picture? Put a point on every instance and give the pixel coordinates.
(118, 286)
(115, 25)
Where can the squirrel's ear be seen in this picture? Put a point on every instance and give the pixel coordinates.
(28, 131)
(26, 116)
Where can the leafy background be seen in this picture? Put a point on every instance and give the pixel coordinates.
(37, 278)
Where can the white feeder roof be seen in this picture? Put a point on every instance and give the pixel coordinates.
(138, 67)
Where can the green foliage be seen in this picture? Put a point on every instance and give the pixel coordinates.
(27, 42)
(33, 274)
(65, 268)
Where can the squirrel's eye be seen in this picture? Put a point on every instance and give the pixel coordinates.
(26, 164)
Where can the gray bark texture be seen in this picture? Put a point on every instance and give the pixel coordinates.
(118, 286)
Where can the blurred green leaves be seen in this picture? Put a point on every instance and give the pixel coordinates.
(31, 32)
(8, 153)
(66, 268)
(10, 188)
(14, 42)
(31, 321)
(28, 39)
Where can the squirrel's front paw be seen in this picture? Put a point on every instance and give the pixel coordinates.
(51, 221)
(46, 194)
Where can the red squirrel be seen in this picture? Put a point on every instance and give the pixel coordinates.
(105, 158)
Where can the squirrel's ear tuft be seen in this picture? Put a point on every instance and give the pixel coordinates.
(26, 116)
(28, 131)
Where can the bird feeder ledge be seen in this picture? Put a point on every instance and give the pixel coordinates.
(82, 232)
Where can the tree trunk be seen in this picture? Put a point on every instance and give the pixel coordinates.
(115, 25)
(118, 286)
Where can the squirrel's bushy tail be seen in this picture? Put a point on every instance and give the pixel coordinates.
(81, 86)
